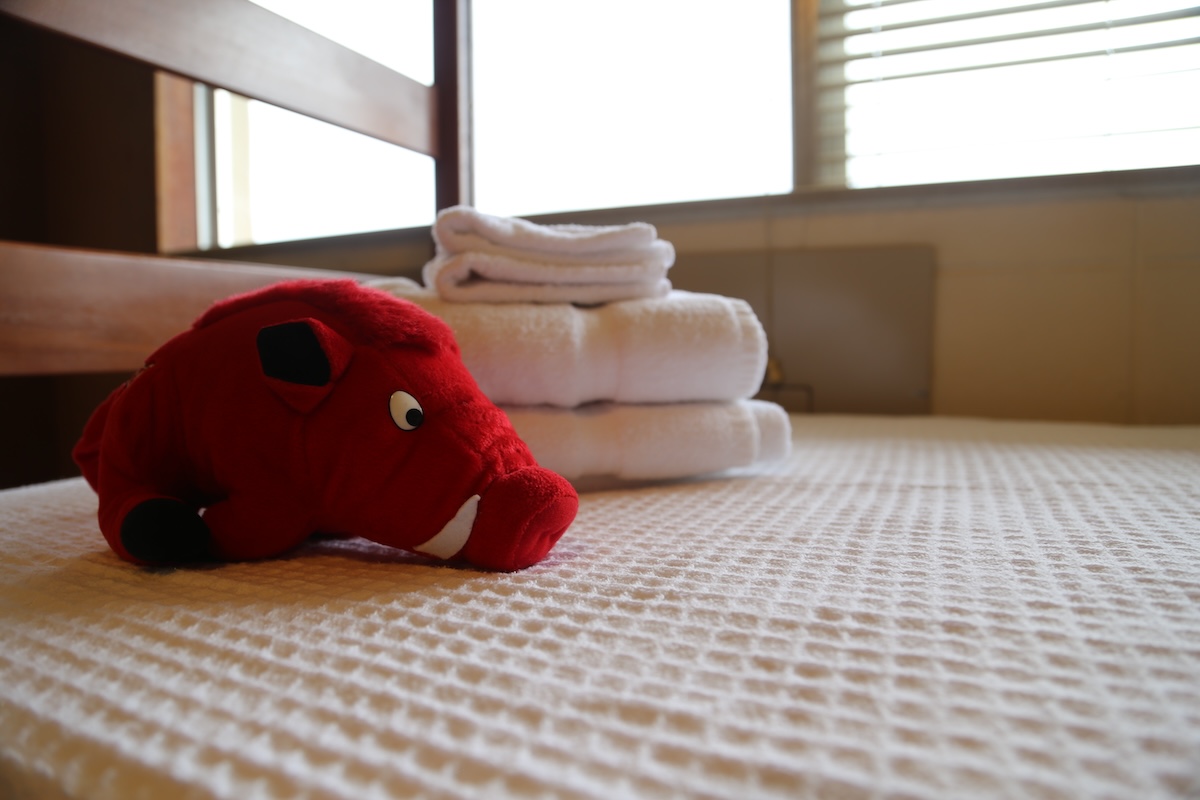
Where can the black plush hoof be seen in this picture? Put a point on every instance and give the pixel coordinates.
(165, 531)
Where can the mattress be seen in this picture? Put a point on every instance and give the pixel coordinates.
(906, 607)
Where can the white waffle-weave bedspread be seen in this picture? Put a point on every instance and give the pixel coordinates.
(906, 608)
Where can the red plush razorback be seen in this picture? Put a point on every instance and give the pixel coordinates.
(316, 406)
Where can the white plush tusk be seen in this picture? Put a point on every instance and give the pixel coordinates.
(450, 539)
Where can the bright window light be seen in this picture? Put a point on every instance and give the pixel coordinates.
(609, 103)
(309, 179)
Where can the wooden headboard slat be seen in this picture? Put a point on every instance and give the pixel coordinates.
(237, 45)
(68, 310)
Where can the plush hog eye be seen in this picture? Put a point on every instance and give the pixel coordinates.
(406, 411)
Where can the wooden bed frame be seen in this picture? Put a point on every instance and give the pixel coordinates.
(72, 310)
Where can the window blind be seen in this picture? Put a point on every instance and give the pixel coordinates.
(931, 91)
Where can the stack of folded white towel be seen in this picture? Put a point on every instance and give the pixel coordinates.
(602, 367)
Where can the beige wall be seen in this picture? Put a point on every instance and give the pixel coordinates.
(1075, 309)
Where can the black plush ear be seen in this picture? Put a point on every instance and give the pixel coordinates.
(292, 353)
(301, 360)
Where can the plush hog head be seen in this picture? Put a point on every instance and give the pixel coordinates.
(316, 406)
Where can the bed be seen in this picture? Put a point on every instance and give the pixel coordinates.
(906, 607)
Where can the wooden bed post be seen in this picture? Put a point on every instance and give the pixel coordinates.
(175, 162)
(452, 88)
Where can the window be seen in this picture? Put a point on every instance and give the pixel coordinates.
(577, 105)
(283, 176)
(609, 103)
(629, 102)
(931, 91)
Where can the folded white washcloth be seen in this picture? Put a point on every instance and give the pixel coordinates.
(492, 278)
(483, 258)
(649, 442)
(683, 347)
(459, 229)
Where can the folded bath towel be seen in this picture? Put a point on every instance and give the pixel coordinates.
(647, 442)
(684, 347)
(484, 258)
